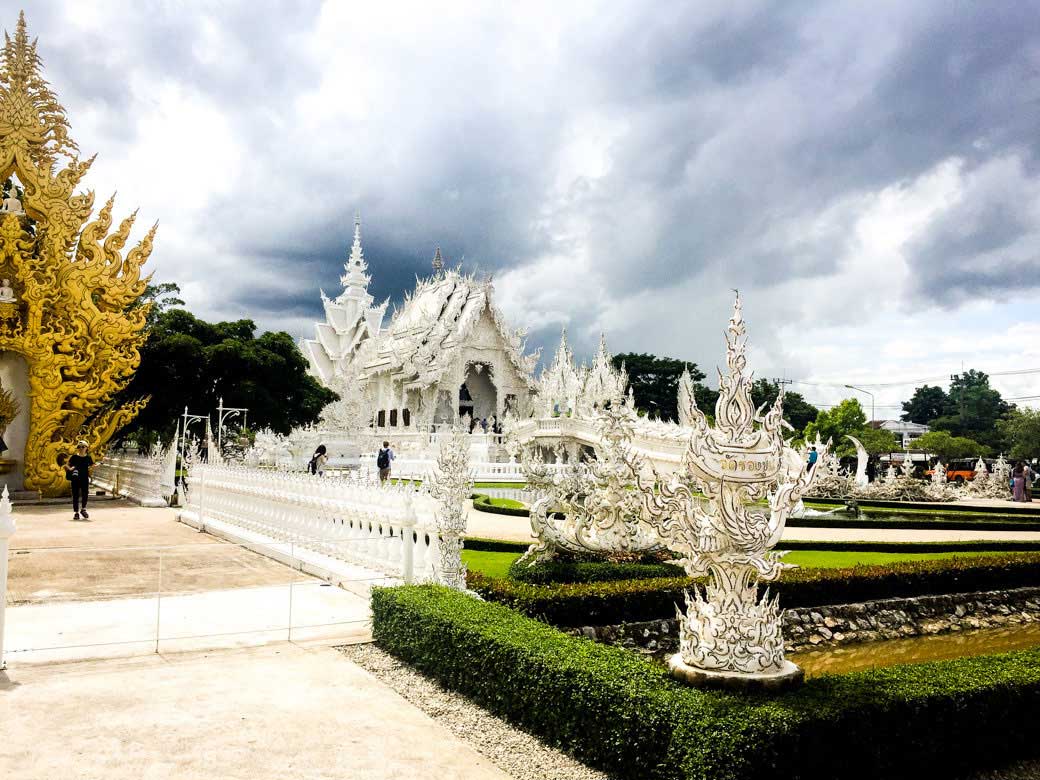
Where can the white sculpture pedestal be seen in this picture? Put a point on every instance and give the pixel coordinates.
(789, 676)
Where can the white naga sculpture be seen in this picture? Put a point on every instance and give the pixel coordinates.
(591, 507)
(861, 462)
(452, 485)
(729, 636)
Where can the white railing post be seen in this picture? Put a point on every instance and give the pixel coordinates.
(408, 541)
(7, 528)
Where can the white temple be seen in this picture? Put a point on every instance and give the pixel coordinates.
(446, 353)
(567, 389)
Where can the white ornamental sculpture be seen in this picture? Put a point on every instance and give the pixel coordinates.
(592, 507)
(451, 484)
(730, 636)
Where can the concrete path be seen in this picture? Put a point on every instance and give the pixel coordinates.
(117, 628)
(263, 714)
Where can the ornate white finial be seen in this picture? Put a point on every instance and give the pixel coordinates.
(357, 256)
(7, 524)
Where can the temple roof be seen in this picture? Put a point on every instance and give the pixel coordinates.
(434, 322)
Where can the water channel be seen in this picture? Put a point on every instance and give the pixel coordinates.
(892, 652)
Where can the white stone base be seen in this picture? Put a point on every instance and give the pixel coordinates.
(789, 676)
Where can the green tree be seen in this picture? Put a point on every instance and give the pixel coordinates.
(1021, 431)
(947, 447)
(833, 424)
(162, 297)
(927, 403)
(877, 441)
(655, 382)
(797, 411)
(974, 409)
(187, 362)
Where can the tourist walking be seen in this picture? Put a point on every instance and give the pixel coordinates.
(78, 469)
(316, 465)
(1018, 482)
(483, 424)
(1027, 487)
(383, 460)
(813, 456)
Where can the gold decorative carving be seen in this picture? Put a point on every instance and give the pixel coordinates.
(76, 321)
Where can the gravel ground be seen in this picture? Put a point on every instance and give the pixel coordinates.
(513, 751)
(516, 752)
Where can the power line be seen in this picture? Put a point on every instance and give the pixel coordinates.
(943, 378)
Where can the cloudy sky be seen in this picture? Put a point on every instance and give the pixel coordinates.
(865, 172)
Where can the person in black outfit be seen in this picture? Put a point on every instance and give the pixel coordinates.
(78, 469)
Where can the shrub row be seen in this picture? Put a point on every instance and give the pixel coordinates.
(483, 503)
(623, 601)
(617, 712)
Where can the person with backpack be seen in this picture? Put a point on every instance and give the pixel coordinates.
(316, 465)
(77, 470)
(383, 459)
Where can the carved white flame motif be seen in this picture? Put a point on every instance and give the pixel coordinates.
(728, 539)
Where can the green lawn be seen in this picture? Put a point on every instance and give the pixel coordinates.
(507, 503)
(517, 485)
(826, 559)
(491, 564)
(496, 564)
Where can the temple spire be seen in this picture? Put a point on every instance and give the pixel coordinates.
(355, 267)
(438, 262)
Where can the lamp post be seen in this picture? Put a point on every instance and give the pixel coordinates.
(860, 389)
(188, 419)
(224, 412)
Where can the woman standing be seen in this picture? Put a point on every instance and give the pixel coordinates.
(77, 470)
(318, 460)
(1018, 478)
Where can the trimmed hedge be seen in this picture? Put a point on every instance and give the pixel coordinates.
(482, 503)
(626, 601)
(617, 712)
(495, 545)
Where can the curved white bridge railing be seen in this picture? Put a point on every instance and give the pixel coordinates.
(137, 477)
(326, 524)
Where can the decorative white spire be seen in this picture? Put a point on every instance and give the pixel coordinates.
(356, 266)
(438, 262)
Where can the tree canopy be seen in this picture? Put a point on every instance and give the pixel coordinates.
(655, 382)
(1021, 431)
(189, 362)
(655, 386)
(971, 409)
(947, 447)
(834, 424)
(927, 403)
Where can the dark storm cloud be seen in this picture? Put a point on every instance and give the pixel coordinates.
(738, 137)
(742, 144)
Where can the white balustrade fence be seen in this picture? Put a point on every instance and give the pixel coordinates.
(137, 477)
(326, 521)
(421, 468)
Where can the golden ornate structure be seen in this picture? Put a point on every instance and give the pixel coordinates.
(76, 318)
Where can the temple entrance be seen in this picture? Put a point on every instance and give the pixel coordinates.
(481, 392)
(14, 376)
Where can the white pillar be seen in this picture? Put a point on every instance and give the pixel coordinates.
(7, 527)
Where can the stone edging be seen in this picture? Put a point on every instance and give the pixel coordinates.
(848, 623)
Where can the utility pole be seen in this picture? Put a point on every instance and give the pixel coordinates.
(860, 389)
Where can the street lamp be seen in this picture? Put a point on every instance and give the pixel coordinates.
(224, 412)
(188, 420)
(860, 389)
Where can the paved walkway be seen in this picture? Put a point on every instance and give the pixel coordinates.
(485, 525)
(272, 713)
(131, 580)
